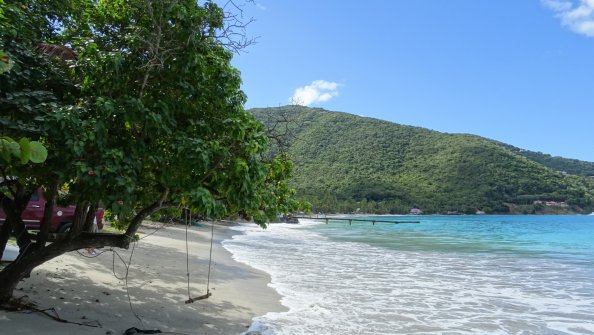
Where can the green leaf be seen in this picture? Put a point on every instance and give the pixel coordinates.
(13, 148)
(38, 152)
(4, 150)
(25, 150)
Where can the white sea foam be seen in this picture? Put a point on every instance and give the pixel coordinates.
(354, 288)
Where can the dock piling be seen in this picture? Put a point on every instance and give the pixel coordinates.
(350, 220)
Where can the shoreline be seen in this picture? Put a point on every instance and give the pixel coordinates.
(446, 276)
(85, 290)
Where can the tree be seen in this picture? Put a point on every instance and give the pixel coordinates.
(146, 113)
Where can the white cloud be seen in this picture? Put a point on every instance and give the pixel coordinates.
(260, 6)
(317, 91)
(576, 15)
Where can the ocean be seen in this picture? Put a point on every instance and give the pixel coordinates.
(445, 275)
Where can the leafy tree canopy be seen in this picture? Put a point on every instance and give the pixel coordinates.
(139, 108)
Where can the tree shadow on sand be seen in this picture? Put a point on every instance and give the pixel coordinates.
(86, 289)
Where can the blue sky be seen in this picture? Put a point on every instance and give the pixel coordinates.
(521, 72)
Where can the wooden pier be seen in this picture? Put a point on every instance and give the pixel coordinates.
(351, 220)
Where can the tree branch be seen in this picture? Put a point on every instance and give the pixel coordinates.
(137, 220)
(48, 212)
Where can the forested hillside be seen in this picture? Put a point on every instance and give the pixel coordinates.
(347, 163)
(566, 165)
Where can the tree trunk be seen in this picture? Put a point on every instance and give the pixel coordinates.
(80, 213)
(4, 235)
(90, 218)
(48, 213)
(13, 208)
(17, 270)
(5, 229)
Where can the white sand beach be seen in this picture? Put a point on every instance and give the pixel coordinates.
(85, 290)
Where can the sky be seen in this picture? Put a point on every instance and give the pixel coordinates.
(521, 72)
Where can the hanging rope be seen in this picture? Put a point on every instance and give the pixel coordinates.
(210, 257)
(186, 210)
(125, 277)
(208, 294)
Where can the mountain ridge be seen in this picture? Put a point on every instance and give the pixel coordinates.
(349, 163)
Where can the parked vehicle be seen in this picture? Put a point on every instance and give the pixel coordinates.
(62, 217)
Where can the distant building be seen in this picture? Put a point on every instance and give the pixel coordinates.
(479, 212)
(551, 203)
(416, 211)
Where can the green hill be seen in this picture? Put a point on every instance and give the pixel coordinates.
(566, 165)
(347, 163)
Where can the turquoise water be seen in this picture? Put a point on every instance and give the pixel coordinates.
(444, 275)
(569, 237)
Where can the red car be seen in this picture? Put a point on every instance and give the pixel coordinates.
(61, 219)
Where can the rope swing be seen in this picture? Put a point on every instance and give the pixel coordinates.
(188, 221)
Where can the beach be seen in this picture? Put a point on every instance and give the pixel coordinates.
(85, 290)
